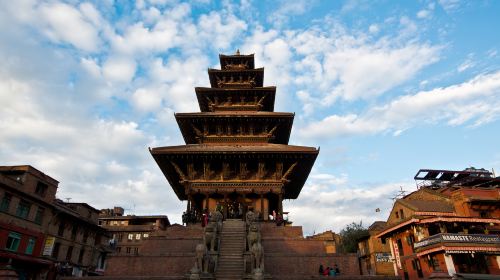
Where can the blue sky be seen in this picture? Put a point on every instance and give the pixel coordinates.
(383, 87)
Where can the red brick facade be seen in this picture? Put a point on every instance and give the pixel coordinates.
(445, 231)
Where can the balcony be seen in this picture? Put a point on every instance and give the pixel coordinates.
(443, 239)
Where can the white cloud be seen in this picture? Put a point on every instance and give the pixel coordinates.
(374, 28)
(449, 5)
(91, 66)
(472, 101)
(423, 14)
(344, 203)
(368, 71)
(119, 69)
(147, 99)
(465, 65)
(65, 23)
(287, 9)
(220, 29)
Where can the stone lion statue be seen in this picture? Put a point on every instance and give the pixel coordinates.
(257, 256)
(210, 235)
(200, 253)
(218, 218)
(257, 274)
(253, 235)
(249, 217)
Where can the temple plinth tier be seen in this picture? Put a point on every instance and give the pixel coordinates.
(236, 153)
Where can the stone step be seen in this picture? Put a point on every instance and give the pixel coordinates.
(232, 252)
(232, 261)
(238, 266)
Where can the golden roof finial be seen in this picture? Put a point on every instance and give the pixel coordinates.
(238, 52)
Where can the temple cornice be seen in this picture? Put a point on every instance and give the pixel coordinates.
(236, 99)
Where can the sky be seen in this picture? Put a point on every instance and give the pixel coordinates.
(383, 87)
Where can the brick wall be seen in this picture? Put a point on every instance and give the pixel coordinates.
(171, 265)
(307, 265)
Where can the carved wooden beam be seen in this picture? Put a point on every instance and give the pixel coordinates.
(272, 130)
(261, 100)
(179, 171)
(279, 170)
(191, 172)
(289, 171)
(196, 131)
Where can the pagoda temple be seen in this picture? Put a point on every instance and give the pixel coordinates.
(236, 155)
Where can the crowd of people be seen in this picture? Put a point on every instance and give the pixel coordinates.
(329, 271)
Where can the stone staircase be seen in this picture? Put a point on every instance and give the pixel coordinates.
(232, 247)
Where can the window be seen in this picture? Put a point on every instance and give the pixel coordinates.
(80, 256)
(410, 240)
(128, 250)
(434, 263)
(41, 189)
(402, 214)
(23, 209)
(136, 251)
(484, 214)
(62, 225)
(137, 236)
(13, 241)
(85, 237)
(55, 251)
(130, 236)
(39, 215)
(397, 214)
(74, 231)
(120, 236)
(7, 198)
(416, 266)
(146, 235)
(118, 249)
(400, 247)
(30, 246)
(69, 253)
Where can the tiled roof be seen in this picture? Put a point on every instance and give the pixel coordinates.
(241, 114)
(428, 205)
(263, 148)
(377, 225)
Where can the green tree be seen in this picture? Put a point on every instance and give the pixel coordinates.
(350, 235)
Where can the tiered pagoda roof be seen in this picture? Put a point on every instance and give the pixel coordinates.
(237, 143)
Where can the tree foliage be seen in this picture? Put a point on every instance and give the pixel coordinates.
(350, 235)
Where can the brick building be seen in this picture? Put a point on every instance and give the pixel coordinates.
(26, 197)
(330, 239)
(129, 232)
(374, 256)
(449, 226)
(41, 236)
(75, 241)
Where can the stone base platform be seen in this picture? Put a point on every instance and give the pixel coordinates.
(169, 254)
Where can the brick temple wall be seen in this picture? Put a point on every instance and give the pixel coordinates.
(170, 264)
(282, 264)
(287, 252)
(168, 252)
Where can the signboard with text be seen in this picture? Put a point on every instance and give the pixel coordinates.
(48, 246)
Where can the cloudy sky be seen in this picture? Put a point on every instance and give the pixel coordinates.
(383, 87)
